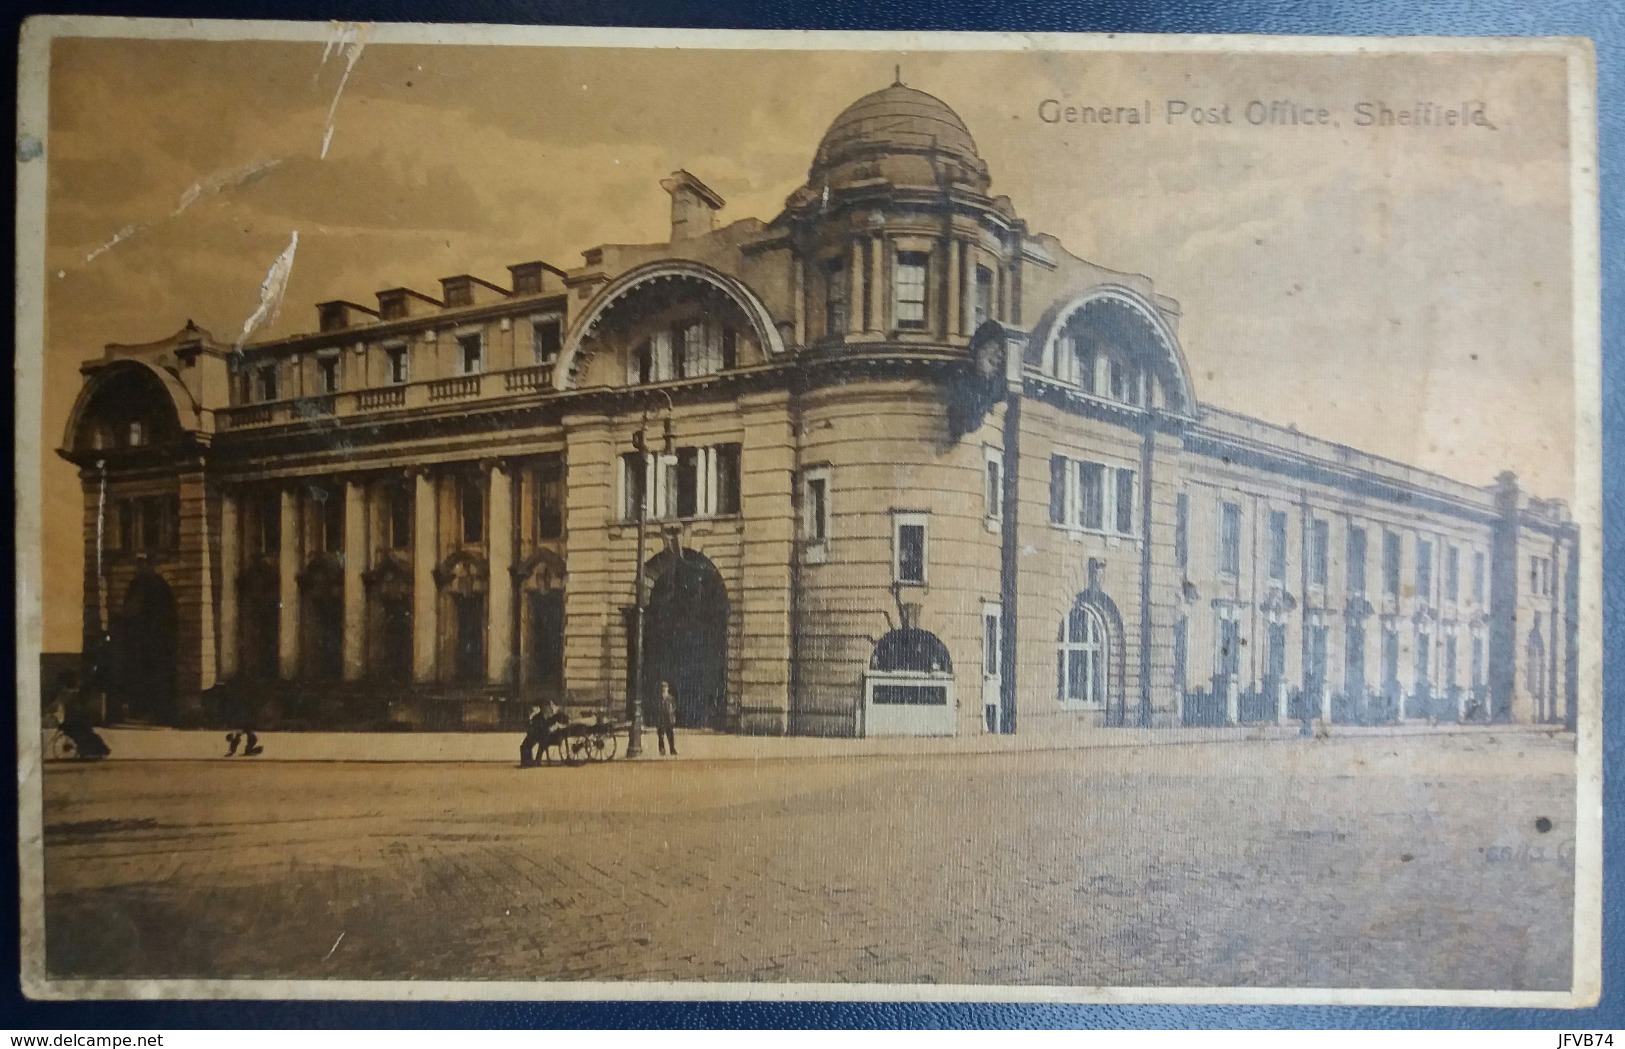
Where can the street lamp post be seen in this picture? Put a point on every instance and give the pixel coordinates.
(640, 441)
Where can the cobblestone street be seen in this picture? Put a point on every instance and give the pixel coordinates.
(1370, 862)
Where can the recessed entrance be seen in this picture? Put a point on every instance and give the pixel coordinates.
(143, 679)
(687, 633)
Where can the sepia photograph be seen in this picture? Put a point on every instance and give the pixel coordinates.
(589, 513)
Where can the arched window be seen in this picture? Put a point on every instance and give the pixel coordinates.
(1080, 662)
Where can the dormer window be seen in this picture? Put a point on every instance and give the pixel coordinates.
(470, 353)
(458, 292)
(392, 305)
(909, 283)
(333, 316)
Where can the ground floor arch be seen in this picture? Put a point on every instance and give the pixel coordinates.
(144, 649)
(686, 637)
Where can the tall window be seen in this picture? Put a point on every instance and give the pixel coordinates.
(984, 295)
(550, 498)
(1320, 539)
(1182, 530)
(1478, 578)
(546, 337)
(694, 482)
(395, 360)
(1092, 496)
(1535, 655)
(1230, 538)
(267, 382)
(1477, 668)
(1081, 658)
(327, 373)
(470, 353)
(1356, 559)
(1450, 677)
(398, 502)
(815, 508)
(1390, 659)
(1058, 489)
(471, 507)
(908, 548)
(1125, 501)
(909, 286)
(992, 483)
(1278, 546)
(330, 511)
(1424, 661)
(1390, 564)
(837, 290)
(1424, 571)
(1452, 573)
(1181, 655)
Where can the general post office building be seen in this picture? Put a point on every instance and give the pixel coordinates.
(905, 466)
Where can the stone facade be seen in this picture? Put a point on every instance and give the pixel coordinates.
(905, 466)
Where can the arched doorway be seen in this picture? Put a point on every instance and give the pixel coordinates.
(462, 579)
(144, 650)
(686, 629)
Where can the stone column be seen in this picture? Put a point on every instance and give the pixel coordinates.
(767, 470)
(954, 318)
(230, 540)
(355, 598)
(193, 583)
(798, 298)
(856, 313)
(287, 560)
(425, 596)
(969, 288)
(594, 643)
(499, 582)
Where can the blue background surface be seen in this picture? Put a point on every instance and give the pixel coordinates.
(1602, 22)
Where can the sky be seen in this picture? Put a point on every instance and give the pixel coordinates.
(1406, 290)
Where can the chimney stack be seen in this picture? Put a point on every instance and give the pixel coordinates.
(694, 205)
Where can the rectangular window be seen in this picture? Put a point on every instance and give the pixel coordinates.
(1356, 580)
(327, 373)
(908, 548)
(984, 295)
(1478, 578)
(1278, 546)
(397, 360)
(1424, 660)
(1452, 573)
(1477, 668)
(1125, 502)
(1424, 571)
(546, 338)
(815, 507)
(909, 285)
(1320, 541)
(1092, 496)
(1390, 563)
(837, 289)
(459, 293)
(550, 498)
(1450, 679)
(267, 382)
(990, 640)
(634, 482)
(1534, 574)
(1057, 489)
(391, 306)
(726, 483)
(1181, 655)
(1182, 530)
(1314, 674)
(1390, 660)
(689, 468)
(470, 353)
(399, 500)
(1230, 539)
(992, 484)
(730, 349)
(471, 504)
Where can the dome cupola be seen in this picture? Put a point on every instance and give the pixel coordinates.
(899, 135)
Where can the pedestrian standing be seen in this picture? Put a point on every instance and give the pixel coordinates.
(666, 719)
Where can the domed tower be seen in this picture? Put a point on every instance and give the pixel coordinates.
(898, 238)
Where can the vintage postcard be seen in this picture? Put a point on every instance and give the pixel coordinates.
(522, 512)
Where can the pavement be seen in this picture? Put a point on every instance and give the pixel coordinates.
(165, 744)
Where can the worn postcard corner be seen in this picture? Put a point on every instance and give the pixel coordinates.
(581, 513)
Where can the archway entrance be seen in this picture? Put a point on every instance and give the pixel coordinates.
(686, 629)
(144, 650)
(389, 590)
